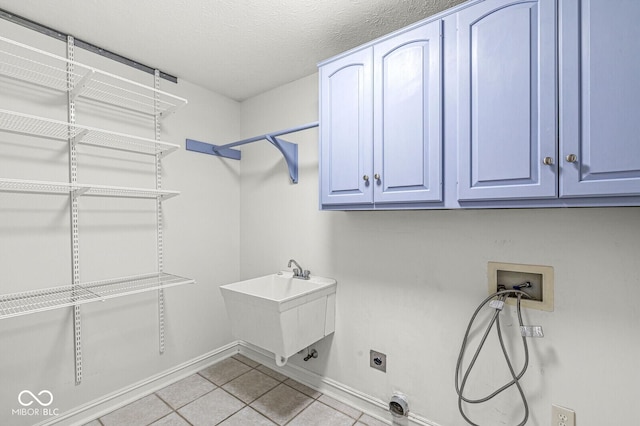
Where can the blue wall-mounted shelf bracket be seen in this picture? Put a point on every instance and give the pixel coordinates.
(207, 148)
(289, 150)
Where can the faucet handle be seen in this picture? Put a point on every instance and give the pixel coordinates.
(296, 272)
(305, 274)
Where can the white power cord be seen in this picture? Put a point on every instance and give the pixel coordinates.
(497, 304)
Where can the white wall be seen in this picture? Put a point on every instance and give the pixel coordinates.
(408, 282)
(117, 238)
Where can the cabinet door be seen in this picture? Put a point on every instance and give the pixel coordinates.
(346, 130)
(407, 111)
(507, 100)
(599, 94)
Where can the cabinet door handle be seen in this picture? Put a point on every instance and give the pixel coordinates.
(548, 161)
(376, 176)
(365, 178)
(572, 158)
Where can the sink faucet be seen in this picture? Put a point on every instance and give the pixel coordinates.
(298, 272)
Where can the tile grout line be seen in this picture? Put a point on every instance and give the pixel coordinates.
(175, 410)
(339, 411)
(356, 420)
(301, 411)
(263, 415)
(182, 417)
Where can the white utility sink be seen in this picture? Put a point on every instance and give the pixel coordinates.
(280, 313)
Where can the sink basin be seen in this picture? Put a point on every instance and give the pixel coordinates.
(280, 313)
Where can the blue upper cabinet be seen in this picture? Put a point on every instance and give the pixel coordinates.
(381, 124)
(346, 130)
(506, 124)
(599, 95)
(493, 103)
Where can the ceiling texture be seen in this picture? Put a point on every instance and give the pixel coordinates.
(237, 48)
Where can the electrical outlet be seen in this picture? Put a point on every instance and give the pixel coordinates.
(378, 360)
(561, 416)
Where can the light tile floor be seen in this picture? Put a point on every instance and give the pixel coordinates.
(236, 392)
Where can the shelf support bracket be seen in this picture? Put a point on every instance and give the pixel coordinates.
(79, 136)
(168, 111)
(288, 150)
(78, 192)
(207, 148)
(81, 85)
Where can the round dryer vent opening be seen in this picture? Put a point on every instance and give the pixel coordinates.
(399, 406)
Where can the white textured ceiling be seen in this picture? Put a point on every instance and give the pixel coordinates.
(238, 48)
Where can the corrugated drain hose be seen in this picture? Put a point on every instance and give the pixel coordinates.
(501, 296)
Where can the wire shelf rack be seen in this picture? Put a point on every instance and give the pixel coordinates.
(32, 125)
(34, 186)
(17, 304)
(124, 192)
(43, 187)
(35, 66)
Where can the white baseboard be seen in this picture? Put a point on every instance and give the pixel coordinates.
(104, 405)
(369, 405)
